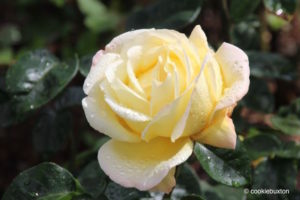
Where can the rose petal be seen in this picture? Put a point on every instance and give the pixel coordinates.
(220, 133)
(116, 44)
(235, 68)
(167, 184)
(142, 165)
(97, 74)
(198, 38)
(102, 118)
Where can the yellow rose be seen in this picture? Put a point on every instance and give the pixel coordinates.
(154, 92)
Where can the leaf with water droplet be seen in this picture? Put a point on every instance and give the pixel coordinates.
(46, 181)
(230, 167)
(36, 78)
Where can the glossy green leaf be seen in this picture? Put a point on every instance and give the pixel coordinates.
(221, 192)
(187, 183)
(72, 96)
(270, 65)
(46, 181)
(230, 167)
(93, 179)
(239, 11)
(173, 14)
(262, 145)
(269, 144)
(37, 78)
(279, 6)
(85, 64)
(51, 131)
(281, 174)
(117, 192)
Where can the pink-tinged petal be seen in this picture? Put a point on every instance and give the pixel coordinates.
(234, 65)
(97, 57)
(96, 74)
(142, 165)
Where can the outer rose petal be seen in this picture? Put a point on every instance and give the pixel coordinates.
(102, 118)
(220, 133)
(167, 184)
(116, 44)
(96, 73)
(142, 165)
(235, 68)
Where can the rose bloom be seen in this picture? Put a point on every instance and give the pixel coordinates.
(154, 92)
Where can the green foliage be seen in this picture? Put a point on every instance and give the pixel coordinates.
(238, 10)
(36, 79)
(287, 6)
(173, 14)
(98, 18)
(288, 119)
(46, 181)
(230, 167)
(270, 65)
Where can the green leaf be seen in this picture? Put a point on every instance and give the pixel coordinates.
(269, 144)
(173, 14)
(259, 96)
(288, 118)
(51, 131)
(46, 181)
(187, 183)
(221, 192)
(116, 192)
(262, 145)
(280, 173)
(230, 167)
(270, 65)
(72, 96)
(93, 179)
(98, 17)
(276, 22)
(245, 34)
(85, 64)
(289, 125)
(9, 35)
(279, 6)
(37, 78)
(238, 11)
(6, 56)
